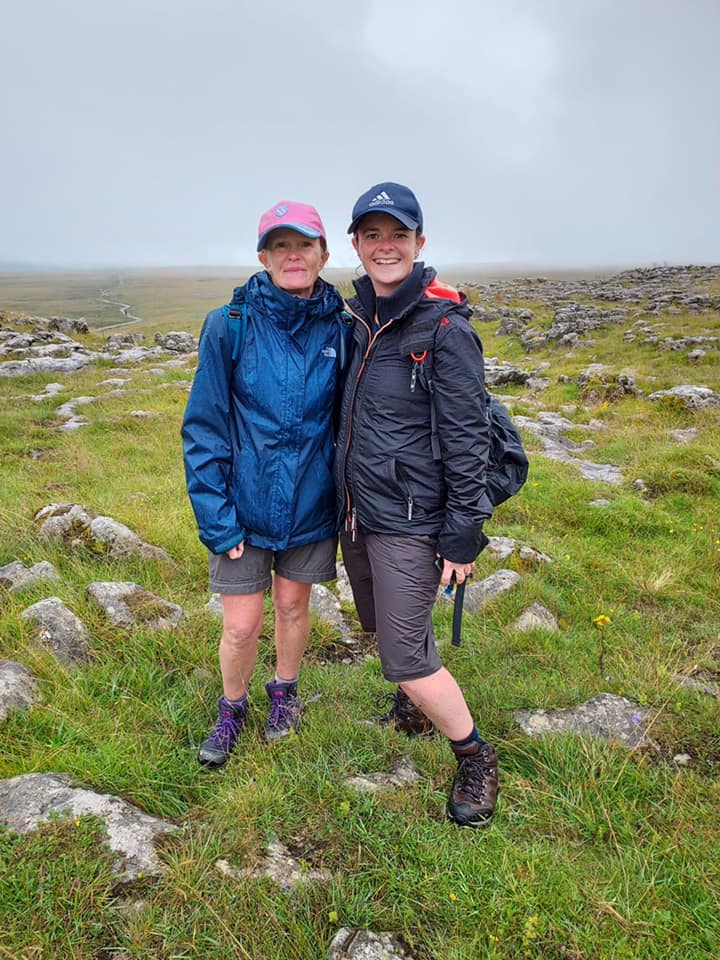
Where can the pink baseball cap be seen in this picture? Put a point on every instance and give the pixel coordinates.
(295, 216)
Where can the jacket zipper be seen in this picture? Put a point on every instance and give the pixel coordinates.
(350, 509)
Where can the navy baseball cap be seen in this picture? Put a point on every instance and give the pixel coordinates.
(393, 198)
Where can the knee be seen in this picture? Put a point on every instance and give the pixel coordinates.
(290, 610)
(240, 634)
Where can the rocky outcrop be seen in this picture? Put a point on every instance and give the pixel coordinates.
(126, 605)
(606, 716)
(57, 628)
(34, 798)
(15, 576)
(78, 527)
(18, 688)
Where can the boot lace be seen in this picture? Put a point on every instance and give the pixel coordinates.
(474, 771)
(227, 729)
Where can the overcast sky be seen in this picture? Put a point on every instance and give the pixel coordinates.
(566, 132)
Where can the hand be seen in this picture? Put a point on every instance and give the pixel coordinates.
(461, 570)
(234, 553)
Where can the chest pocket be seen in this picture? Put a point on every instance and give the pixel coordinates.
(418, 344)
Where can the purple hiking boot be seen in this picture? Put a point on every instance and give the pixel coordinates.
(215, 750)
(285, 710)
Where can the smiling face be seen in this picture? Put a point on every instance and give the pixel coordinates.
(387, 250)
(293, 261)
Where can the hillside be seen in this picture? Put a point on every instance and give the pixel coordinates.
(590, 653)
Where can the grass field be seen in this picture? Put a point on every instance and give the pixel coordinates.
(595, 852)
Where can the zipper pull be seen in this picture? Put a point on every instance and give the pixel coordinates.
(413, 377)
(410, 507)
(353, 525)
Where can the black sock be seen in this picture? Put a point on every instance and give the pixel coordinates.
(473, 737)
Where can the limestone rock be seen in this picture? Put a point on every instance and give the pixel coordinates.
(365, 945)
(176, 342)
(18, 688)
(701, 683)
(606, 716)
(60, 630)
(280, 867)
(536, 617)
(15, 576)
(27, 801)
(402, 773)
(77, 526)
(127, 604)
(326, 606)
(478, 594)
(689, 396)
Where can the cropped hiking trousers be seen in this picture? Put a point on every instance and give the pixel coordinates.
(394, 581)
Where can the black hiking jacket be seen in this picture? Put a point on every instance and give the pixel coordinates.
(387, 478)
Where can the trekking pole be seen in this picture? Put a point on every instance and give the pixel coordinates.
(457, 613)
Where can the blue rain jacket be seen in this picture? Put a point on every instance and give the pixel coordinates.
(258, 427)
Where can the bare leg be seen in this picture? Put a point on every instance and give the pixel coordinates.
(292, 625)
(242, 623)
(441, 699)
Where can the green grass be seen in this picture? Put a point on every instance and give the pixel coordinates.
(595, 852)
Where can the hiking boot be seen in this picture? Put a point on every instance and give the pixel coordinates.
(285, 710)
(407, 718)
(475, 787)
(215, 750)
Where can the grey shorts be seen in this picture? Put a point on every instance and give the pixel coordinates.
(313, 563)
(395, 581)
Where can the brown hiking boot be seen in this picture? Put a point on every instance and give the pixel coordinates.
(475, 787)
(407, 718)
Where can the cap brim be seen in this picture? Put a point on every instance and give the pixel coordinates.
(402, 218)
(298, 228)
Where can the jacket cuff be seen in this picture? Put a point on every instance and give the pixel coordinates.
(462, 546)
(226, 545)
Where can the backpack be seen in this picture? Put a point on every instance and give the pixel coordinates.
(508, 464)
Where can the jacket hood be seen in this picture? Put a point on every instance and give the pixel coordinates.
(260, 290)
(420, 283)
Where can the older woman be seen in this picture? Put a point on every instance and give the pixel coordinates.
(410, 472)
(258, 444)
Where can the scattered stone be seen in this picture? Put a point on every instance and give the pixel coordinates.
(402, 773)
(127, 604)
(31, 799)
(600, 503)
(689, 396)
(342, 584)
(50, 390)
(498, 373)
(701, 683)
(530, 556)
(214, 605)
(684, 436)
(18, 688)
(351, 944)
(60, 630)
(536, 617)
(280, 867)
(67, 325)
(550, 429)
(79, 527)
(606, 716)
(639, 485)
(15, 576)
(176, 342)
(682, 759)
(478, 594)
(501, 547)
(325, 605)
